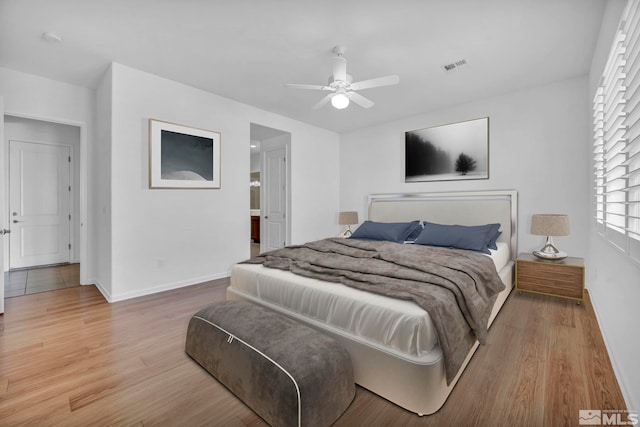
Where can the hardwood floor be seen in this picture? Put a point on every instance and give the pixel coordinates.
(69, 358)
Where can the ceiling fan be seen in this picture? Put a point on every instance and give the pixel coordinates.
(342, 87)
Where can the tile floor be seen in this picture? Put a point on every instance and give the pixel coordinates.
(255, 249)
(41, 279)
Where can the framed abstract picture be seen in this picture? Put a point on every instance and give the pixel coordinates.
(183, 157)
(450, 152)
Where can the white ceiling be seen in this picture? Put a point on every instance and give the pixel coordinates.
(247, 49)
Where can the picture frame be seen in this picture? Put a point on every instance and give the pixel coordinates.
(451, 152)
(183, 157)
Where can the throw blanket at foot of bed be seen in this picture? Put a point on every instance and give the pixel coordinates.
(456, 287)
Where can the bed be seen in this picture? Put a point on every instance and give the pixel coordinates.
(393, 343)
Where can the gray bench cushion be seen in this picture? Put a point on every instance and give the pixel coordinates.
(288, 373)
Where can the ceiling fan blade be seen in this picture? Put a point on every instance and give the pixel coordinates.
(380, 81)
(312, 87)
(339, 69)
(360, 100)
(323, 101)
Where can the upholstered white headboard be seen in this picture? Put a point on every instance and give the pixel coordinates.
(463, 208)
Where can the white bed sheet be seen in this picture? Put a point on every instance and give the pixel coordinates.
(399, 325)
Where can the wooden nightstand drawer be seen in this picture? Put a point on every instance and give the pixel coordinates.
(564, 278)
(548, 287)
(550, 272)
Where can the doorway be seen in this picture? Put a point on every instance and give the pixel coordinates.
(42, 184)
(269, 188)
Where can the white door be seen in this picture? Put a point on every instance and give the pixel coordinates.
(3, 204)
(274, 225)
(39, 204)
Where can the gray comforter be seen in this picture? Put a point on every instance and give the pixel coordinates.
(457, 288)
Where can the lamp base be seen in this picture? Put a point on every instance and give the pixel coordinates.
(549, 251)
(347, 233)
(543, 255)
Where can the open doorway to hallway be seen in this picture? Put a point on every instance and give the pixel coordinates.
(42, 187)
(269, 188)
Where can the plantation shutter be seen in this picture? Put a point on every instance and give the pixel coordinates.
(616, 127)
(632, 147)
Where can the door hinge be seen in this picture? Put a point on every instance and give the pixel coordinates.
(69, 217)
(69, 246)
(69, 188)
(69, 159)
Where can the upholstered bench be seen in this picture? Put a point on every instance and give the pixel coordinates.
(288, 373)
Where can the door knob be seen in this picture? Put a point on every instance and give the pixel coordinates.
(15, 220)
(3, 231)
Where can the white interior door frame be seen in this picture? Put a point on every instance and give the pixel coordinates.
(3, 205)
(82, 191)
(270, 145)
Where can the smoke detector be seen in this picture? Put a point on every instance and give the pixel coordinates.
(454, 66)
(51, 37)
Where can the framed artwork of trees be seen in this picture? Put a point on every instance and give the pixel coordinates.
(449, 152)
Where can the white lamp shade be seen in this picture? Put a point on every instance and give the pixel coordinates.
(340, 101)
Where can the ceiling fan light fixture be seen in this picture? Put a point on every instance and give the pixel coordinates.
(342, 88)
(340, 101)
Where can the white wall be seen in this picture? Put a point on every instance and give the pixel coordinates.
(255, 159)
(102, 254)
(537, 147)
(164, 239)
(28, 130)
(30, 96)
(614, 280)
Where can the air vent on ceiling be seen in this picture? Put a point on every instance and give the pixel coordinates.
(454, 66)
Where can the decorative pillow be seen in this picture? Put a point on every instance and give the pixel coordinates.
(390, 231)
(474, 238)
(414, 234)
(493, 233)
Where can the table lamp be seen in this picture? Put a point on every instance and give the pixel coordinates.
(348, 218)
(550, 225)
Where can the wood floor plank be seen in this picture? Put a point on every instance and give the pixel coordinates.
(603, 392)
(517, 399)
(67, 357)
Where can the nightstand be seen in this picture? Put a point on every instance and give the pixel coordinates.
(562, 278)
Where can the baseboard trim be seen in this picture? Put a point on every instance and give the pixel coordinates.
(102, 290)
(614, 364)
(164, 287)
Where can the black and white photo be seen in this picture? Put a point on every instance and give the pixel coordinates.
(183, 157)
(456, 151)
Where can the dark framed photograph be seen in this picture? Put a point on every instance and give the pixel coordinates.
(456, 151)
(183, 157)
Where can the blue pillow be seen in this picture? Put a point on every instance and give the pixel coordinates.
(474, 238)
(493, 233)
(390, 231)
